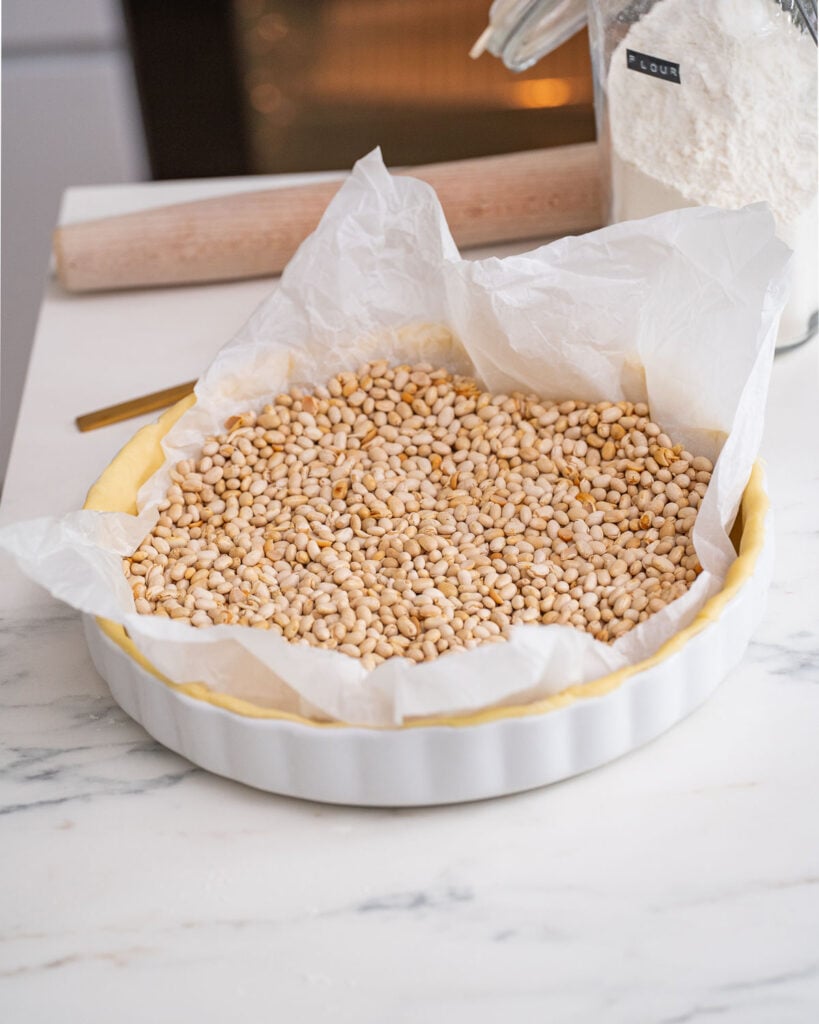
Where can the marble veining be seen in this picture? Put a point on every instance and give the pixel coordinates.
(418, 900)
(677, 884)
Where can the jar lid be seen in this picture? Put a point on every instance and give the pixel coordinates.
(520, 32)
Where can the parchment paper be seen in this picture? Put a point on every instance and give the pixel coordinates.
(680, 310)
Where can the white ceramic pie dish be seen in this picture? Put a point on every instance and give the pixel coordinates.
(440, 760)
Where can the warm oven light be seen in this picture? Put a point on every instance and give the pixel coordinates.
(535, 93)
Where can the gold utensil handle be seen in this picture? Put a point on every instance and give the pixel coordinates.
(135, 407)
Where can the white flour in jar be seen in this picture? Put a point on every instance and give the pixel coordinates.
(740, 127)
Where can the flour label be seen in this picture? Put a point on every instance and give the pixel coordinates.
(654, 66)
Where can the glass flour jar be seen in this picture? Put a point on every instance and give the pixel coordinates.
(698, 102)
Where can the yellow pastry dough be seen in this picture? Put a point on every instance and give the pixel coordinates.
(116, 491)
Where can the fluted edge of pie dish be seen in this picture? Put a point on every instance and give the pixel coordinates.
(440, 759)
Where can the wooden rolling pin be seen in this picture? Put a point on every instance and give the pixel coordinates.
(492, 199)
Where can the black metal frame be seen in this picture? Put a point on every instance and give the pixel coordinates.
(186, 72)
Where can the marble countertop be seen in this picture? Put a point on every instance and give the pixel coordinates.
(678, 884)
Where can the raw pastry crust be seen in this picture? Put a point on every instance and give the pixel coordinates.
(116, 491)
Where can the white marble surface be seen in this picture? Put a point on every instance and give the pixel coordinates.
(679, 884)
